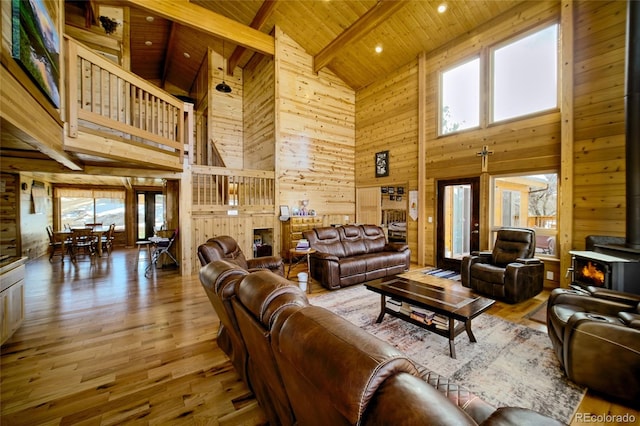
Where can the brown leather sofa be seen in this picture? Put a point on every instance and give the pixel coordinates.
(352, 254)
(510, 272)
(226, 248)
(596, 335)
(308, 366)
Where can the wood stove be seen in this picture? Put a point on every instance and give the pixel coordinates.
(590, 268)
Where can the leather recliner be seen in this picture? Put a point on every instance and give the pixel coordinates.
(225, 248)
(596, 335)
(510, 272)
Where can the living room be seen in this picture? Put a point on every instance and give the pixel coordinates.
(328, 160)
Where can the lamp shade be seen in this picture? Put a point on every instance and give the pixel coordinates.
(223, 87)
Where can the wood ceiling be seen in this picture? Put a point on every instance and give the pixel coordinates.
(168, 49)
(341, 35)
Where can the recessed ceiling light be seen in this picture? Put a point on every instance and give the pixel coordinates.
(186, 55)
(150, 18)
(148, 42)
(442, 8)
(378, 49)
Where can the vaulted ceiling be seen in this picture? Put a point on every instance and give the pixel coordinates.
(341, 35)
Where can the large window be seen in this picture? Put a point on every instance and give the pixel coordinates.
(460, 97)
(527, 201)
(525, 75)
(523, 81)
(79, 207)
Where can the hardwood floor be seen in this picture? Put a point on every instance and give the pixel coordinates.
(102, 344)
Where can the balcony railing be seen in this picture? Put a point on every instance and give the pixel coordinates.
(218, 189)
(106, 101)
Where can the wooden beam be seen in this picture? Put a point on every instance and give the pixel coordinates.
(168, 51)
(360, 28)
(201, 19)
(265, 11)
(23, 164)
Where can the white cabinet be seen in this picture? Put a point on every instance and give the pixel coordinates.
(11, 297)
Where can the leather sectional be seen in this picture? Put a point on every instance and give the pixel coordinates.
(308, 366)
(352, 254)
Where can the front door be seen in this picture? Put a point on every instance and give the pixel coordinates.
(458, 221)
(150, 217)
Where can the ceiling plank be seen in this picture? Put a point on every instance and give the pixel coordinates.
(26, 164)
(201, 19)
(263, 14)
(365, 24)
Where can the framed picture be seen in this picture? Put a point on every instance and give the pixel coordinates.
(401, 190)
(382, 163)
(383, 189)
(391, 190)
(35, 45)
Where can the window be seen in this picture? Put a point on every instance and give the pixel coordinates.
(460, 97)
(525, 75)
(80, 206)
(527, 201)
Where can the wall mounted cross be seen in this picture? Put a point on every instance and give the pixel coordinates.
(485, 153)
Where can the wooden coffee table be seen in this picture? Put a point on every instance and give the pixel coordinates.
(458, 308)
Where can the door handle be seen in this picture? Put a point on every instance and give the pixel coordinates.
(475, 232)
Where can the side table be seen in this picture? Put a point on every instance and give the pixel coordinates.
(303, 256)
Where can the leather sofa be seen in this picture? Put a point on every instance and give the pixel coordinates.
(352, 254)
(226, 248)
(510, 272)
(308, 366)
(596, 335)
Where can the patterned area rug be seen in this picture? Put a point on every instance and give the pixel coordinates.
(443, 273)
(510, 365)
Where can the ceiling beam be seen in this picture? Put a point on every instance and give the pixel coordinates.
(167, 54)
(360, 28)
(25, 164)
(198, 18)
(263, 14)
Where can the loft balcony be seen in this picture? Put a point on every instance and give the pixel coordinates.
(113, 115)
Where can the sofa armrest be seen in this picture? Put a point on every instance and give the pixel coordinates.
(630, 319)
(528, 260)
(396, 247)
(588, 303)
(265, 262)
(615, 296)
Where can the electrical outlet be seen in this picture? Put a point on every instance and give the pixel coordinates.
(550, 275)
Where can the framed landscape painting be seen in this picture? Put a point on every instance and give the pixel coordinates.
(36, 45)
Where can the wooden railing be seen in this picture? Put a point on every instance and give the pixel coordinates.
(114, 103)
(218, 189)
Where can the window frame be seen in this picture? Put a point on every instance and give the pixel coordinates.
(439, 118)
(551, 232)
(490, 94)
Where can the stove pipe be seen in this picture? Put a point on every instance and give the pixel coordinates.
(632, 124)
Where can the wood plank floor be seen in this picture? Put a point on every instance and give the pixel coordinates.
(101, 344)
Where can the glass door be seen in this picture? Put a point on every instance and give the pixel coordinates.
(458, 221)
(150, 213)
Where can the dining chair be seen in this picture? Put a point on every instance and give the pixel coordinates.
(83, 240)
(107, 240)
(56, 243)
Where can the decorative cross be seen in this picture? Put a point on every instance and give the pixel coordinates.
(485, 153)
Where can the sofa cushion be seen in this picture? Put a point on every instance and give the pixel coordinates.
(374, 238)
(352, 240)
(488, 273)
(512, 244)
(326, 240)
(352, 266)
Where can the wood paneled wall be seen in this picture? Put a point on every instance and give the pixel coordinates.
(315, 134)
(259, 114)
(599, 147)
(387, 119)
(225, 112)
(33, 234)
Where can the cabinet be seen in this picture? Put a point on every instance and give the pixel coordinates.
(11, 297)
(292, 231)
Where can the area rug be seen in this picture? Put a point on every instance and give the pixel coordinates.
(510, 365)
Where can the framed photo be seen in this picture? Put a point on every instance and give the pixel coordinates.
(35, 45)
(382, 163)
(401, 190)
(284, 210)
(383, 189)
(392, 190)
(392, 197)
